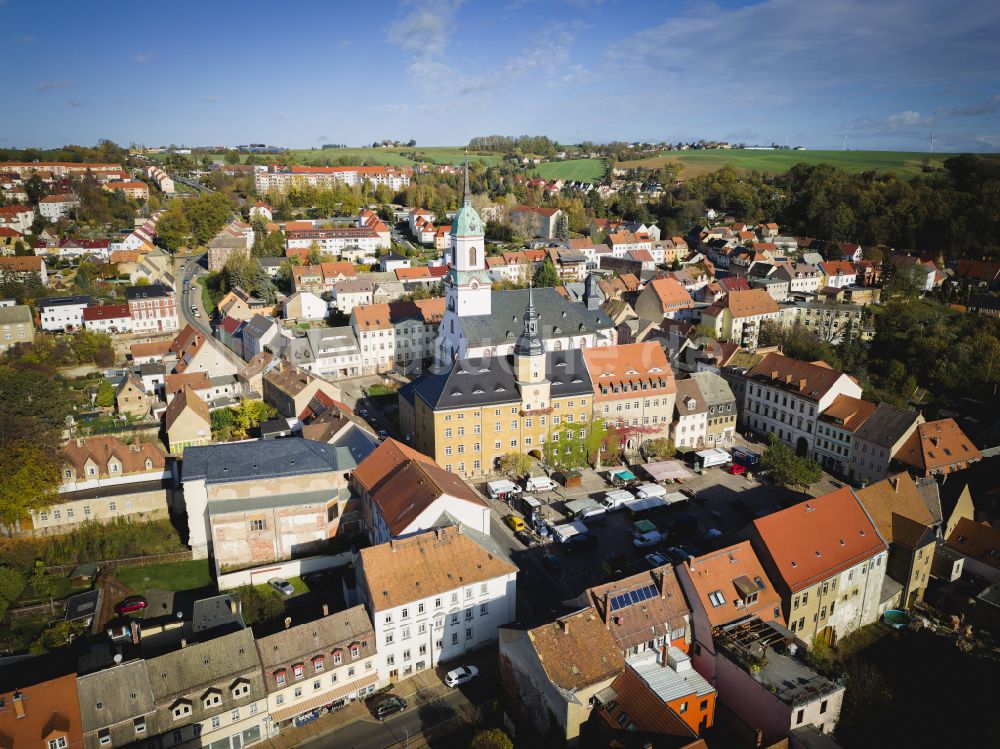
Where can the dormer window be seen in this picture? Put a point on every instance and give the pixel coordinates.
(279, 678)
(338, 657)
(240, 689)
(355, 652)
(318, 663)
(181, 709)
(211, 698)
(59, 742)
(297, 670)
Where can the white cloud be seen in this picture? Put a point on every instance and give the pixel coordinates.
(907, 119)
(143, 57)
(425, 25)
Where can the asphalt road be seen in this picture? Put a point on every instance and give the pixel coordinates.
(190, 270)
(396, 731)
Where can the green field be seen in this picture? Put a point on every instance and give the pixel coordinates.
(175, 576)
(904, 163)
(385, 156)
(587, 170)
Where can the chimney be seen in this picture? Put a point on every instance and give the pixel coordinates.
(895, 484)
(658, 577)
(288, 622)
(232, 605)
(607, 610)
(326, 609)
(18, 705)
(663, 656)
(774, 374)
(564, 625)
(184, 642)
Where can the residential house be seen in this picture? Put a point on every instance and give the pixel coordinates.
(827, 561)
(131, 188)
(17, 217)
(350, 293)
(645, 612)
(210, 693)
(304, 305)
(689, 427)
(835, 432)
(898, 510)
(260, 334)
(230, 332)
(802, 278)
(663, 298)
(103, 478)
(375, 332)
(239, 304)
(262, 209)
(55, 207)
(330, 352)
(435, 597)
(289, 389)
(642, 706)
(786, 396)
(186, 421)
(153, 308)
(39, 712)
(259, 501)
(552, 673)
(937, 448)
(415, 328)
(108, 318)
(117, 707)
(197, 352)
(634, 388)
(153, 352)
(536, 222)
(131, 397)
(716, 395)
(320, 277)
(838, 273)
(404, 492)
(738, 316)
(979, 545)
(320, 665)
(333, 242)
(22, 267)
(878, 439)
(9, 239)
(16, 326)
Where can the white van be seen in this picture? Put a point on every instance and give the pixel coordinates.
(502, 488)
(540, 484)
(650, 490)
(616, 500)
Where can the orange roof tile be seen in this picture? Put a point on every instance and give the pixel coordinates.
(937, 446)
(631, 363)
(981, 541)
(737, 574)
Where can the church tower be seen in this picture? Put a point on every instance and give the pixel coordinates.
(467, 287)
(529, 361)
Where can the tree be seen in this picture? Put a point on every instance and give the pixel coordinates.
(12, 585)
(57, 636)
(661, 447)
(492, 738)
(562, 227)
(41, 581)
(232, 156)
(786, 468)
(105, 395)
(35, 189)
(29, 478)
(259, 604)
(249, 415)
(173, 228)
(515, 464)
(546, 275)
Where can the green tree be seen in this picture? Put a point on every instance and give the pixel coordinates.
(173, 228)
(232, 156)
(12, 585)
(259, 604)
(546, 275)
(786, 468)
(41, 581)
(515, 464)
(35, 188)
(29, 478)
(491, 738)
(661, 447)
(105, 395)
(249, 414)
(57, 636)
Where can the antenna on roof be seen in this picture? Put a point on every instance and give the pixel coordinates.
(465, 195)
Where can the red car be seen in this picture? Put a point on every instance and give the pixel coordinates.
(130, 605)
(737, 469)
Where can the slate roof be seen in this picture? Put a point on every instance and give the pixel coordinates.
(149, 291)
(261, 459)
(714, 389)
(112, 689)
(317, 638)
(577, 651)
(656, 616)
(204, 664)
(557, 317)
(480, 382)
(886, 424)
(18, 313)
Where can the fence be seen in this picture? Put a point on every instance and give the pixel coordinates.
(290, 568)
(171, 556)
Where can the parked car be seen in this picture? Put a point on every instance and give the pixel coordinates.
(382, 434)
(461, 675)
(540, 484)
(676, 554)
(131, 605)
(737, 469)
(526, 537)
(647, 539)
(281, 585)
(711, 533)
(385, 705)
(514, 522)
(656, 559)
(551, 561)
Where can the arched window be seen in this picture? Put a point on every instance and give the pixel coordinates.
(472, 256)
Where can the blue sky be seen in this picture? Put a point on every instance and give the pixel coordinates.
(885, 73)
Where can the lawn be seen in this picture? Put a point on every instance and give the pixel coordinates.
(175, 576)
(587, 170)
(904, 163)
(386, 156)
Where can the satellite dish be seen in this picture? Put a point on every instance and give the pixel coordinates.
(118, 658)
(69, 420)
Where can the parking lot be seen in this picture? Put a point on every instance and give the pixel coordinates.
(718, 512)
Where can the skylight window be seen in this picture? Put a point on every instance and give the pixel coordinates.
(716, 598)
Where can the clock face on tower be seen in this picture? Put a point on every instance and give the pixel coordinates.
(474, 285)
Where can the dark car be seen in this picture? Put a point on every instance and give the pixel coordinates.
(580, 542)
(676, 554)
(385, 705)
(131, 605)
(527, 538)
(551, 561)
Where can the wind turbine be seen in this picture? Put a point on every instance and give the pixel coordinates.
(930, 143)
(845, 143)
